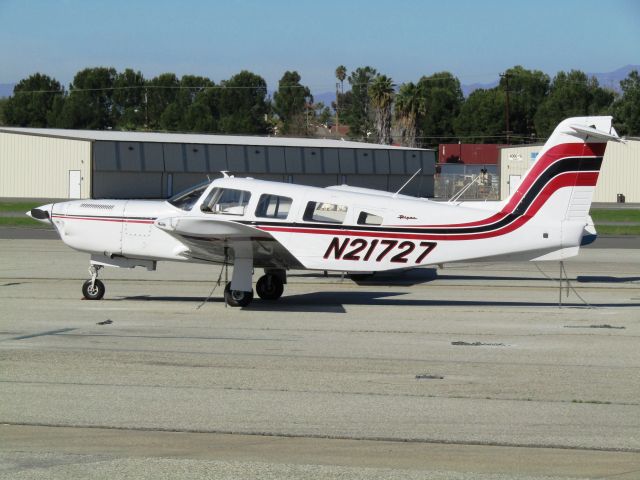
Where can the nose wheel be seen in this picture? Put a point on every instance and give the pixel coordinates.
(93, 292)
(237, 298)
(93, 289)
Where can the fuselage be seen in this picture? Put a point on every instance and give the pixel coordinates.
(345, 230)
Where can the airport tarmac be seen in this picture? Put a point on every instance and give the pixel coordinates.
(472, 371)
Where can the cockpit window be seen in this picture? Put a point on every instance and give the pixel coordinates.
(186, 199)
(366, 218)
(226, 201)
(273, 206)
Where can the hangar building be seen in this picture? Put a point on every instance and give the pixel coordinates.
(55, 163)
(619, 174)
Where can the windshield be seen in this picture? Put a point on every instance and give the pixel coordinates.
(186, 199)
(227, 201)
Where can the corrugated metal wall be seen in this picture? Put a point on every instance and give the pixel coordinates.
(38, 167)
(620, 172)
(156, 170)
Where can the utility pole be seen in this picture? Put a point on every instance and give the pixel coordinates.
(337, 110)
(146, 110)
(506, 76)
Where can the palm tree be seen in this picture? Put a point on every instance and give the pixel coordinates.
(341, 74)
(409, 105)
(381, 94)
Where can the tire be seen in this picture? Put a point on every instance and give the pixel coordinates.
(95, 293)
(237, 298)
(269, 287)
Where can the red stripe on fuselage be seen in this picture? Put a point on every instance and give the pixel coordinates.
(104, 219)
(567, 179)
(554, 154)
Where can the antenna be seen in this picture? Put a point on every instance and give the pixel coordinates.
(407, 182)
(225, 173)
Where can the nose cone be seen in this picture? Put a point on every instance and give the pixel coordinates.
(42, 214)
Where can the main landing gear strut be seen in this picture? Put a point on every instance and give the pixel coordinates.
(93, 289)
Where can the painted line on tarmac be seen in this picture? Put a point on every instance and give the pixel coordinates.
(373, 438)
(43, 334)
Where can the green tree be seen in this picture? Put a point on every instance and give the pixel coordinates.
(162, 91)
(32, 100)
(173, 117)
(3, 106)
(243, 104)
(409, 104)
(203, 115)
(381, 93)
(527, 90)
(627, 108)
(481, 117)
(290, 102)
(129, 107)
(355, 110)
(443, 99)
(322, 113)
(90, 101)
(571, 94)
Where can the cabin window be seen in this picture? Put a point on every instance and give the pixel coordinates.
(186, 199)
(324, 212)
(366, 218)
(226, 201)
(273, 206)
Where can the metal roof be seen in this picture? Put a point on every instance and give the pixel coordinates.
(119, 136)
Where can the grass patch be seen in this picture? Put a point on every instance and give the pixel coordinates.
(618, 229)
(25, 222)
(18, 206)
(621, 215)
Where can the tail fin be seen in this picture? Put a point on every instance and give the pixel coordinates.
(564, 176)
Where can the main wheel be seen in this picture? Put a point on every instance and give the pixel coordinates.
(93, 293)
(269, 287)
(237, 298)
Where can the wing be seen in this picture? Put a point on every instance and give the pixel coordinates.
(207, 239)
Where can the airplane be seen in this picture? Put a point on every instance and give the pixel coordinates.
(250, 223)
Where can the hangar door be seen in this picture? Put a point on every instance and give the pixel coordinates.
(74, 183)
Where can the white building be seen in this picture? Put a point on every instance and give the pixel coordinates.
(619, 174)
(57, 164)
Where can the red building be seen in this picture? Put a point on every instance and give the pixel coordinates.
(469, 153)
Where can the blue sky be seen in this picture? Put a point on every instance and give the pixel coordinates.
(404, 39)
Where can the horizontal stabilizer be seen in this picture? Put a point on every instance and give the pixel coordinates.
(595, 133)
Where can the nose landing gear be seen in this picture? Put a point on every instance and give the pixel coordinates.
(93, 289)
(237, 298)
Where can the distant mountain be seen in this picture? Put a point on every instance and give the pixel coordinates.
(467, 89)
(612, 79)
(6, 89)
(325, 97)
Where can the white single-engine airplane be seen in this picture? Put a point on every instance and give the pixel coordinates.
(251, 223)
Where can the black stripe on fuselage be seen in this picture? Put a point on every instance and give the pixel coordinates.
(569, 164)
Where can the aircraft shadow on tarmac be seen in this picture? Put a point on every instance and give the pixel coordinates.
(419, 276)
(335, 302)
(606, 279)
